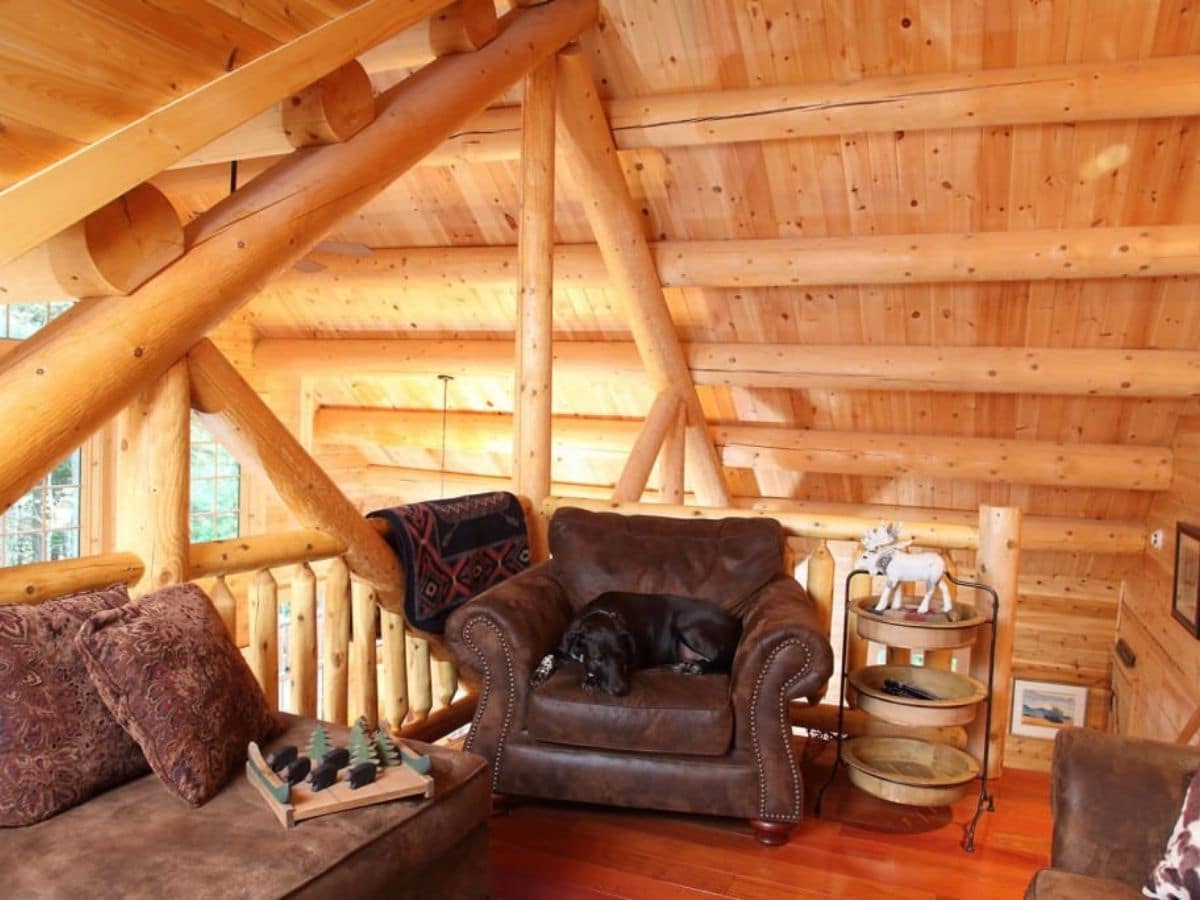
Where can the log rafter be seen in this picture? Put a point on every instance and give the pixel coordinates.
(589, 152)
(971, 369)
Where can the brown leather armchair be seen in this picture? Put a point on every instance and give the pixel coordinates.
(713, 744)
(1115, 801)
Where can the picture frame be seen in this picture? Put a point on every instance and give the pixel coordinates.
(1041, 708)
(1185, 597)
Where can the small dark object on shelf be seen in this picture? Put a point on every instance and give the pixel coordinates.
(281, 758)
(338, 757)
(298, 770)
(362, 775)
(904, 689)
(323, 776)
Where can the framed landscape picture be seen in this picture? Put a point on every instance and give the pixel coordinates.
(1185, 603)
(1041, 708)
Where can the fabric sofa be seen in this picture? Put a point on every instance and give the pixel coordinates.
(715, 744)
(1115, 801)
(138, 841)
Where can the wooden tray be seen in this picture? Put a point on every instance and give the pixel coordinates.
(960, 695)
(904, 627)
(391, 783)
(903, 770)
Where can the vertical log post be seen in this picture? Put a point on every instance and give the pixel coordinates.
(395, 669)
(336, 643)
(820, 582)
(997, 562)
(444, 682)
(302, 642)
(420, 689)
(226, 606)
(155, 445)
(264, 635)
(535, 298)
(671, 460)
(364, 675)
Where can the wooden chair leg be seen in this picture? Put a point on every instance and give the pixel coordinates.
(773, 834)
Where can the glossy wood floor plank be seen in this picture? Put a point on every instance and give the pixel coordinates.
(563, 851)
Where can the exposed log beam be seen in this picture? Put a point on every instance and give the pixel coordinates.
(37, 582)
(239, 419)
(63, 193)
(112, 251)
(154, 468)
(659, 422)
(671, 460)
(1077, 92)
(588, 150)
(1152, 251)
(330, 110)
(459, 28)
(1045, 533)
(992, 370)
(1120, 466)
(77, 372)
(535, 288)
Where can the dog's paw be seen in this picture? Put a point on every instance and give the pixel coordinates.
(688, 668)
(544, 670)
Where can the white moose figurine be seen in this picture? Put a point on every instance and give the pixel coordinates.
(884, 554)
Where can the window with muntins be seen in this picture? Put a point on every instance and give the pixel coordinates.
(216, 488)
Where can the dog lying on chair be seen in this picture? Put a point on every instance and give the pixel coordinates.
(620, 632)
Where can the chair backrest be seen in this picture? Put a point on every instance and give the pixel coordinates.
(720, 560)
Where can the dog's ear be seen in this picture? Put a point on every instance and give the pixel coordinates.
(569, 648)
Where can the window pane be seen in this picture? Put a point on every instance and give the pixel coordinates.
(22, 548)
(226, 526)
(226, 464)
(63, 508)
(62, 544)
(202, 529)
(67, 471)
(227, 494)
(26, 318)
(203, 460)
(203, 500)
(26, 513)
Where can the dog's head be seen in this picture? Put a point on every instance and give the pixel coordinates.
(603, 645)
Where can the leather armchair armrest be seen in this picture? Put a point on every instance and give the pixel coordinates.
(497, 640)
(783, 655)
(1115, 801)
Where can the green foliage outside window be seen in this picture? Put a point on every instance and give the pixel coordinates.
(216, 489)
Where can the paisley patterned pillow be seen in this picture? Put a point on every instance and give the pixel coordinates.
(1177, 877)
(59, 745)
(168, 671)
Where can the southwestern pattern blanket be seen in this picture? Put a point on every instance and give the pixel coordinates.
(454, 549)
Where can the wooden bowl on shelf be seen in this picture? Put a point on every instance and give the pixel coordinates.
(905, 627)
(904, 770)
(958, 695)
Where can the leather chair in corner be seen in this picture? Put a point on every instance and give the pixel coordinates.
(712, 744)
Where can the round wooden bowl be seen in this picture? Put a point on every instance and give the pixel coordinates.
(959, 696)
(903, 770)
(904, 627)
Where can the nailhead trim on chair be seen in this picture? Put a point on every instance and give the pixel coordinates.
(787, 733)
(487, 689)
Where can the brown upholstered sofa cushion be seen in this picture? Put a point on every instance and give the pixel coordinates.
(664, 712)
(166, 668)
(59, 745)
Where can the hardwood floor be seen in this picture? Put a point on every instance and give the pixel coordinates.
(861, 848)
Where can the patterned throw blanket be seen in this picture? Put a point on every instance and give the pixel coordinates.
(454, 549)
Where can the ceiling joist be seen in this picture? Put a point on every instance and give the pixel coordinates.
(1151, 251)
(1072, 465)
(989, 370)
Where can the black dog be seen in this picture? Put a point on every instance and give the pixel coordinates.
(619, 632)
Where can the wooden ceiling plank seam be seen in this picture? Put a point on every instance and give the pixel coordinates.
(70, 188)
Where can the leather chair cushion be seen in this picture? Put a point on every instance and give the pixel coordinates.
(664, 712)
(723, 560)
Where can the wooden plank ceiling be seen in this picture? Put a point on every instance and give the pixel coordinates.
(1073, 175)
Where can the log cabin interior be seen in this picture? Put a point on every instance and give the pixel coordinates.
(694, 275)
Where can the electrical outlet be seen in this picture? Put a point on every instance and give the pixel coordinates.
(1156, 539)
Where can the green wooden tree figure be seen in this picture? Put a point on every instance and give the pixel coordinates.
(361, 747)
(388, 754)
(318, 745)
